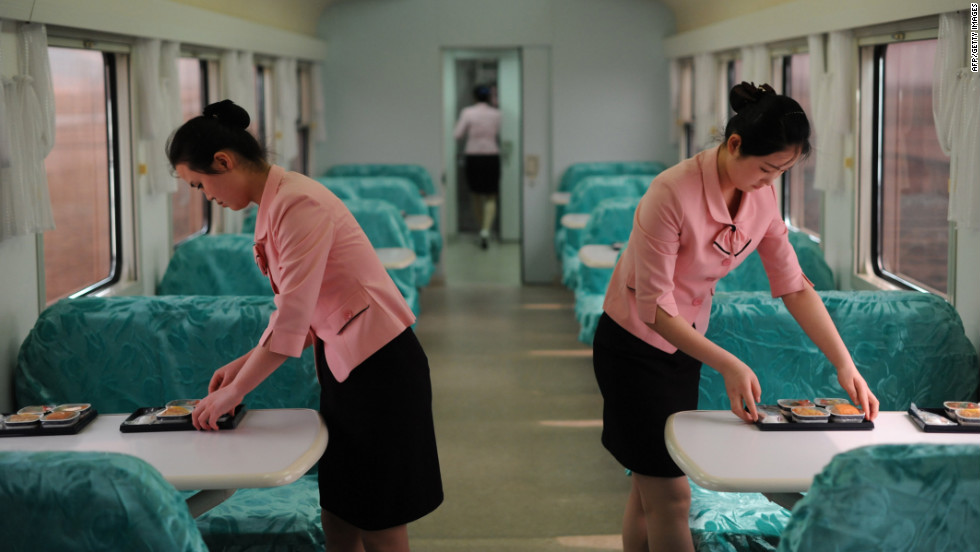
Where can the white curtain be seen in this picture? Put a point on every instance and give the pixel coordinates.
(319, 124)
(756, 64)
(29, 124)
(956, 110)
(675, 101)
(286, 142)
(832, 95)
(238, 80)
(158, 101)
(706, 124)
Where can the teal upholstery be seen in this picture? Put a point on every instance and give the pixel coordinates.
(735, 522)
(91, 501)
(578, 171)
(401, 193)
(385, 227)
(610, 221)
(341, 187)
(416, 173)
(122, 353)
(585, 197)
(222, 264)
(899, 498)
(909, 346)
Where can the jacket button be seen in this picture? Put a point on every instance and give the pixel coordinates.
(697, 301)
(711, 278)
(348, 315)
(726, 262)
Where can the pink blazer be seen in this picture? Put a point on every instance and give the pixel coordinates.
(684, 240)
(327, 278)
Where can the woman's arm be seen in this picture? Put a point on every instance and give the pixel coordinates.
(741, 383)
(812, 316)
(259, 363)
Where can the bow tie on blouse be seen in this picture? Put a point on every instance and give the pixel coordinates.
(731, 241)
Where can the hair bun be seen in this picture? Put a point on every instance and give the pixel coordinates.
(228, 113)
(747, 93)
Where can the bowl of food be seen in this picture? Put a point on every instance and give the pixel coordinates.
(968, 416)
(844, 413)
(22, 420)
(36, 409)
(810, 415)
(825, 402)
(952, 406)
(81, 408)
(788, 404)
(186, 403)
(174, 414)
(60, 418)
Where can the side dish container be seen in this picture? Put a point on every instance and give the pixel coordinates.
(810, 415)
(845, 413)
(968, 416)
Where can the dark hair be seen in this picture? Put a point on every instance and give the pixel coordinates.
(766, 121)
(481, 93)
(222, 127)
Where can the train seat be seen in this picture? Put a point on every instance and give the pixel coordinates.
(899, 498)
(585, 197)
(91, 501)
(578, 171)
(124, 353)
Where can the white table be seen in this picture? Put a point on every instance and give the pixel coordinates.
(598, 256)
(561, 198)
(433, 200)
(396, 257)
(269, 448)
(575, 220)
(718, 451)
(419, 222)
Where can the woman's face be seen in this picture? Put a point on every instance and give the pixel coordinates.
(749, 172)
(226, 188)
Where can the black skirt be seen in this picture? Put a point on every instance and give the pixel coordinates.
(483, 174)
(641, 387)
(381, 466)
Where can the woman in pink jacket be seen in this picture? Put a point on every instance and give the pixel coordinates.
(381, 468)
(697, 222)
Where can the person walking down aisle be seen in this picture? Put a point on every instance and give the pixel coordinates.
(480, 125)
(698, 221)
(381, 467)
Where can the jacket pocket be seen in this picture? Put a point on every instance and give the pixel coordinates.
(353, 307)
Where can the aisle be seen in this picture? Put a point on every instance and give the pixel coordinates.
(517, 412)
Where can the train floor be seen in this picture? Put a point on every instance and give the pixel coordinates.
(517, 413)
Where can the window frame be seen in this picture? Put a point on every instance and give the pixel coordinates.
(873, 252)
(121, 240)
(204, 65)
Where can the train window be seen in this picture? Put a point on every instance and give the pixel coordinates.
(802, 204)
(83, 252)
(189, 208)
(304, 128)
(685, 108)
(263, 103)
(910, 171)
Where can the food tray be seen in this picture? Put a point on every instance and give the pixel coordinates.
(224, 422)
(39, 429)
(790, 425)
(929, 428)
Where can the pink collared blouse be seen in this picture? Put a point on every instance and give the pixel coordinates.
(684, 240)
(327, 278)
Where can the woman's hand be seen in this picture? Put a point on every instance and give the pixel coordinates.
(215, 405)
(743, 389)
(859, 392)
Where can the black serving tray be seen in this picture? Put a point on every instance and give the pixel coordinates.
(225, 422)
(40, 429)
(958, 428)
(790, 425)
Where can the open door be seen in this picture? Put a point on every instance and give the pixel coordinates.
(462, 70)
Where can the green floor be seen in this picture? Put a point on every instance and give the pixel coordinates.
(517, 414)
